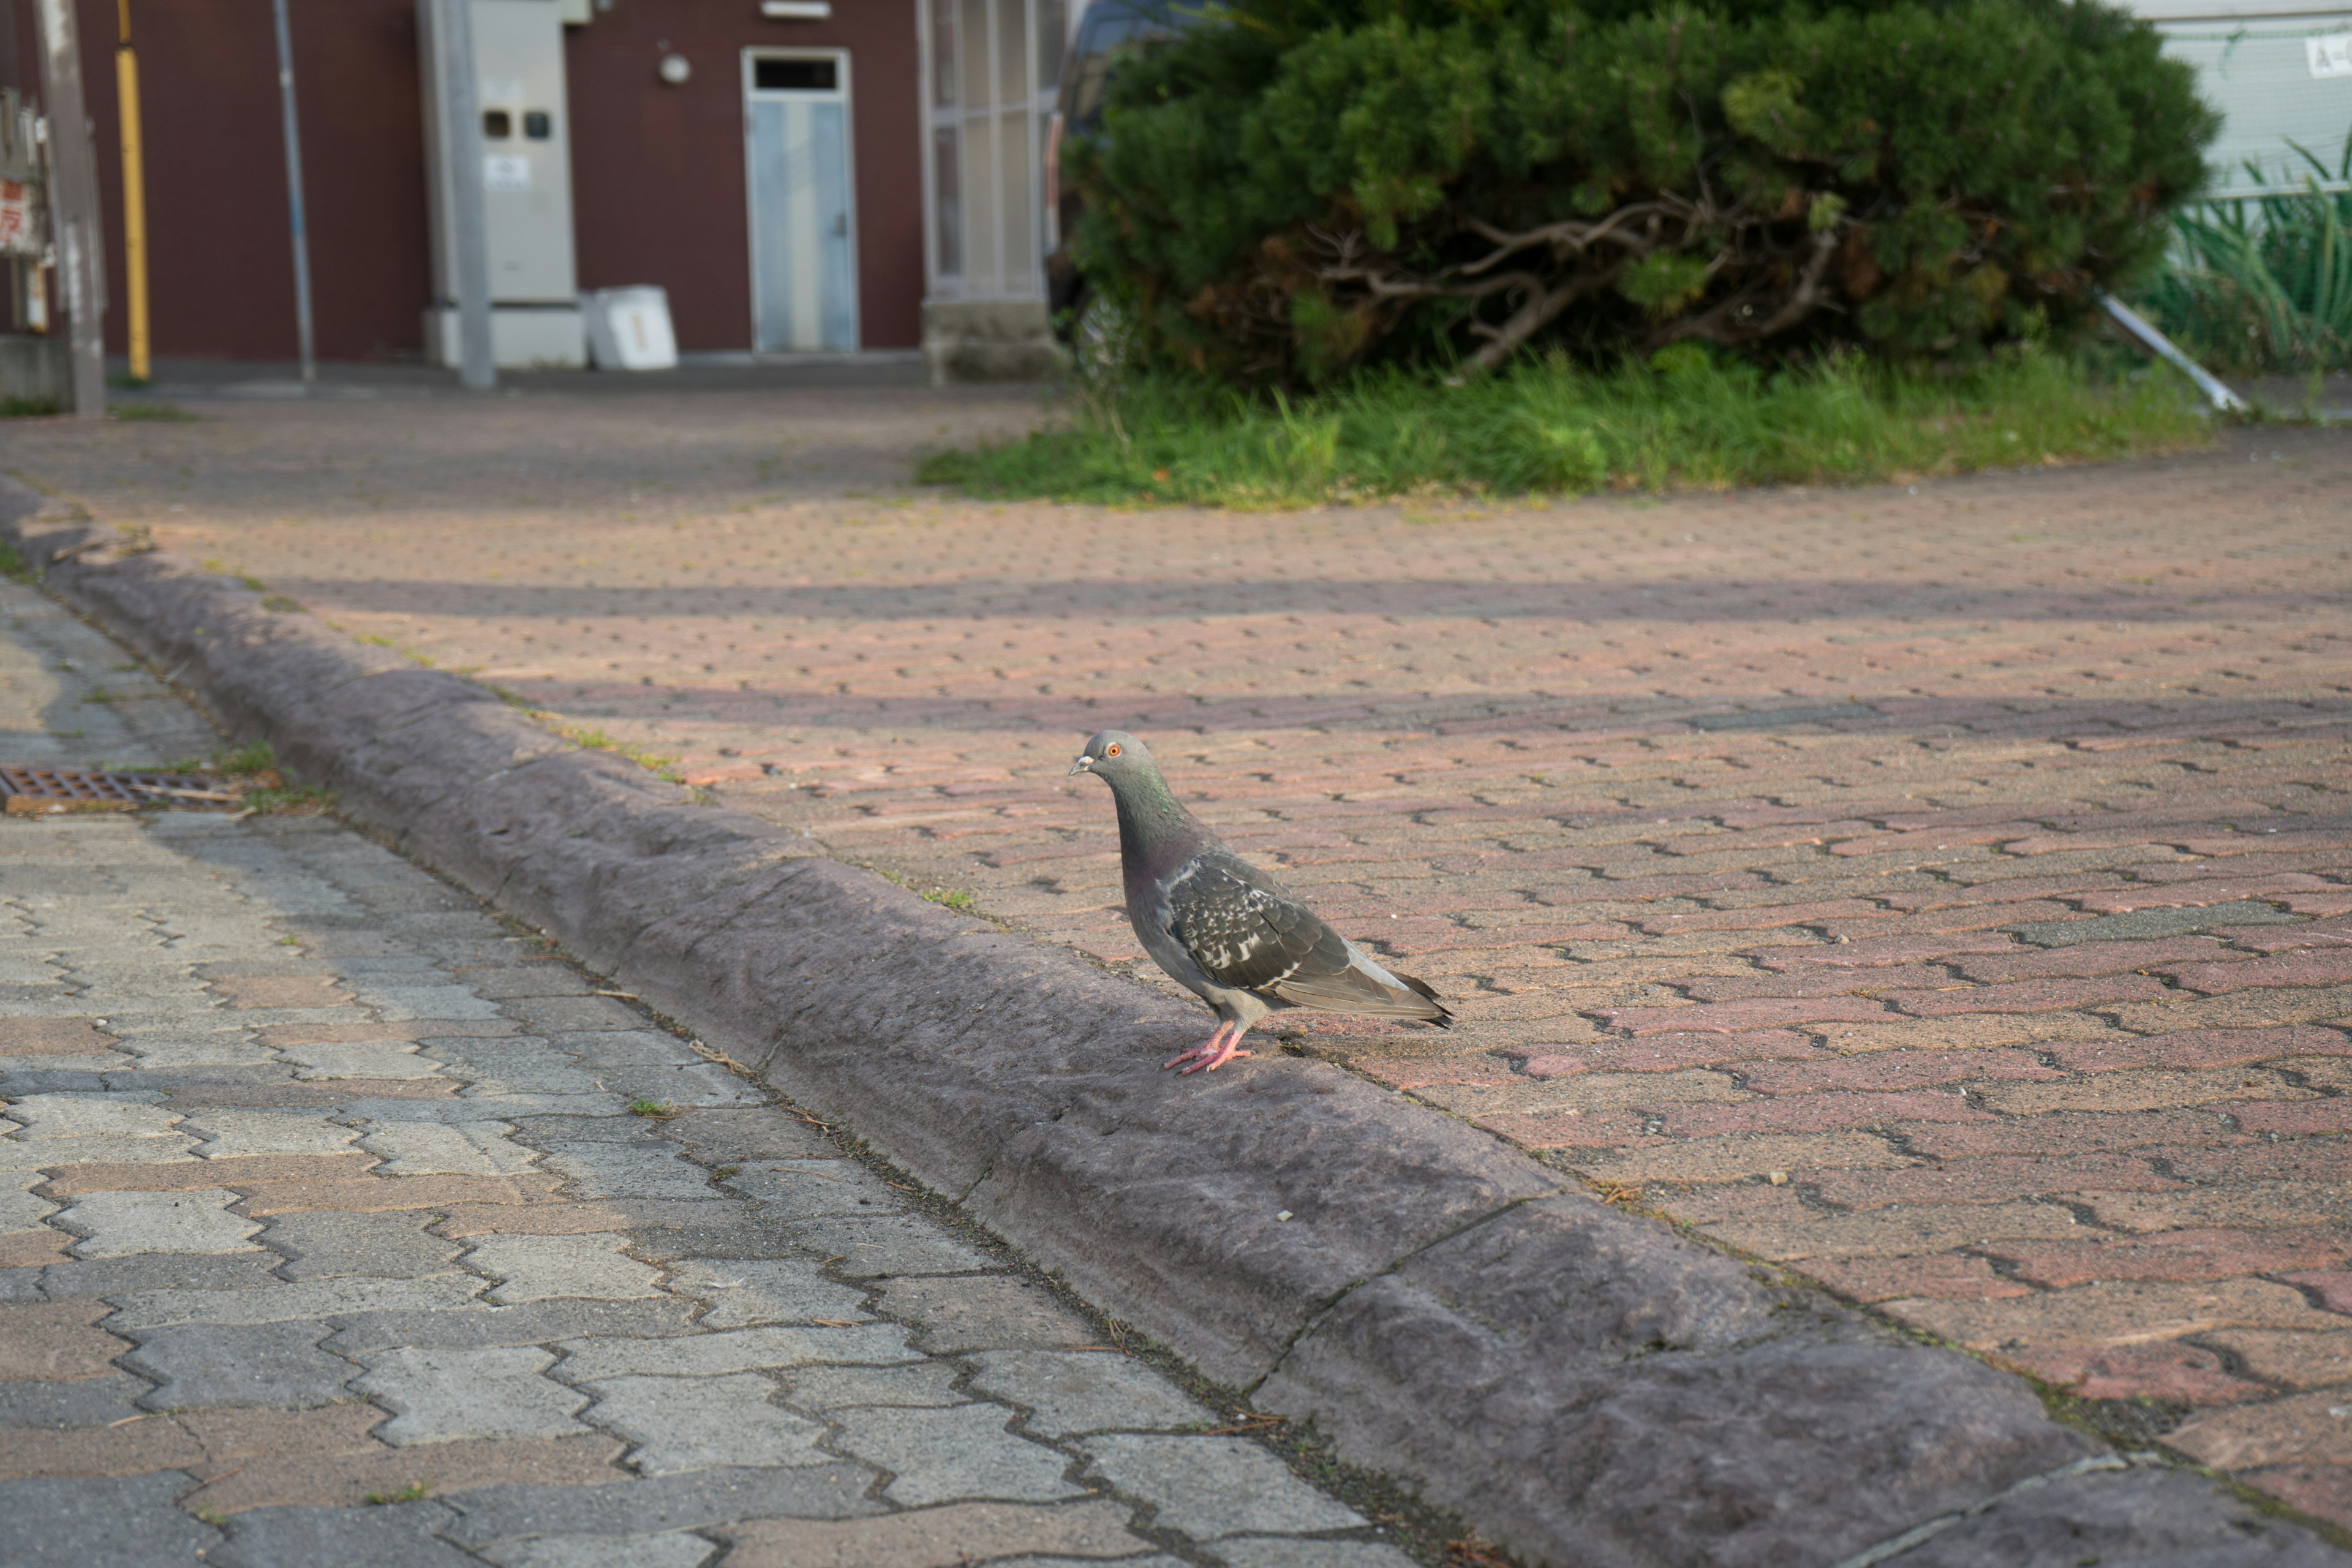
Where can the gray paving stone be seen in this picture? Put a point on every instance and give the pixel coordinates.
(701, 1423)
(324, 1063)
(123, 1224)
(927, 1382)
(436, 1395)
(514, 1061)
(276, 1364)
(50, 1153)
(46, 1116)
(1070, 1392)
(124, 1277)
(401, 1003)
(984, 1311)
(694, 1501)
(600, 1170)
(1289, 1552)
(2153, 1516)
(537, 1322)
(889, 1246)
(815, 1189)
(64, 1406)
(233, 1133)
(320, 1244)
(129, 1522)
(686, 1086)
(1213, 1487)
(674, 1549)
(536, 1267)
(19, 1209)
(722, 1136)
(539, 1131)
(963, 1451)
(393, 1535)
(736, 1350)
(562, 1013)
(746, 1291)
(442, 1148)
(280, 1303)
(638, 1047)
(1156, 1560)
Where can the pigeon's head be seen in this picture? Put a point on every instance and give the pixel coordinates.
(1113, 754)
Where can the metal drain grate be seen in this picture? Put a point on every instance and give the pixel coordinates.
(37, 792)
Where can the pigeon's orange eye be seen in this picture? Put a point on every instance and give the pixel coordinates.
(1111, 750)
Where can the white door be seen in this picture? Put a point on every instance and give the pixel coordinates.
(803, 242)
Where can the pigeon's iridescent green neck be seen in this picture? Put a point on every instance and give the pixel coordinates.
(1153, 825)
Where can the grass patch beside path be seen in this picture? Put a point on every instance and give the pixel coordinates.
(1549, 427)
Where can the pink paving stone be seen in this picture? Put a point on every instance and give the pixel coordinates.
(1987, 1180)
(2200, 1048)
(1609, 1130)
(1740, 1017)
(2323, 1492)
(2298, 1117)
(2310, 966)
(2183, 1256)
(2327, 934)
(2332, 1286)
(1815, 983)
(2198, 893)
(1887, 952)
(2171, 1370)
(2092, 958)
(2030, 996)
(1666, 1053)
(1762, 916)
(2072, 1132)
(1893, 1070)
(1945, 1276)
(1816, 1113)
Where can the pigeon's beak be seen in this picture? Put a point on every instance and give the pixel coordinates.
(1085, 765)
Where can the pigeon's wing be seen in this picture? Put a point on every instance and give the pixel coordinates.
(1249, 933)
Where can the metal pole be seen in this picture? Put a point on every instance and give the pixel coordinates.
(294, 197)
(460, 96)
(73, 201)
(2156, 343)
(134, 195)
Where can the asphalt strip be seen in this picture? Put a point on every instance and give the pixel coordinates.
(1588, 1387)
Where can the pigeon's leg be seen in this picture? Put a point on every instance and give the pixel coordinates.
(1212, 1053)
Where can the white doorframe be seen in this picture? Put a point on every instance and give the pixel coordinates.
(840, 94)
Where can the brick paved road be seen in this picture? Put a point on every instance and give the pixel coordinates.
(1943, 893)
(327, 1237)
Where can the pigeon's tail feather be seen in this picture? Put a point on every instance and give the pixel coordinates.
(1363, 988)
(1421, 988)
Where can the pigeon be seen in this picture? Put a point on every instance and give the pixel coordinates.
(1225, 930)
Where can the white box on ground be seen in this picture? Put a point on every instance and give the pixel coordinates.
(629, 329)
(533, 337)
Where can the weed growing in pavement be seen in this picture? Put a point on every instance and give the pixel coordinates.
(1687, 419)
(654, 1109)
(159, 412)
(13, 564)
(415, 1492)
(953, 897)
(289, 800)
(597, 741)
(279, 604)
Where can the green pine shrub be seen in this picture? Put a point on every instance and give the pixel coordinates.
(1293, 190)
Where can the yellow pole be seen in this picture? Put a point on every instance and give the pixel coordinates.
(134, 193)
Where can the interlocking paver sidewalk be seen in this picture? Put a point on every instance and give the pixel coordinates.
(1943, 890)
(328, 1235)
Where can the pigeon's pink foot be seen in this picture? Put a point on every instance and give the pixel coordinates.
(1211, 1053)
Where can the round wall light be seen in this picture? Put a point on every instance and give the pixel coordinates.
(675, 70)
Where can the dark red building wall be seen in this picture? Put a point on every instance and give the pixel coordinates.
(658, 172)
(220, 253)
(657, 178)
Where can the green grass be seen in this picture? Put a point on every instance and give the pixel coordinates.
(415, 1492)
(953, 897)
(1546, 426)
(13, 564)
(654, 1109)
(29, 408)
(2262, 284)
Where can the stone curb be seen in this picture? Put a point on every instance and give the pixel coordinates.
(1585, 1387)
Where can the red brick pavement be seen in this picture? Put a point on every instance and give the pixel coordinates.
(1947, 895)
